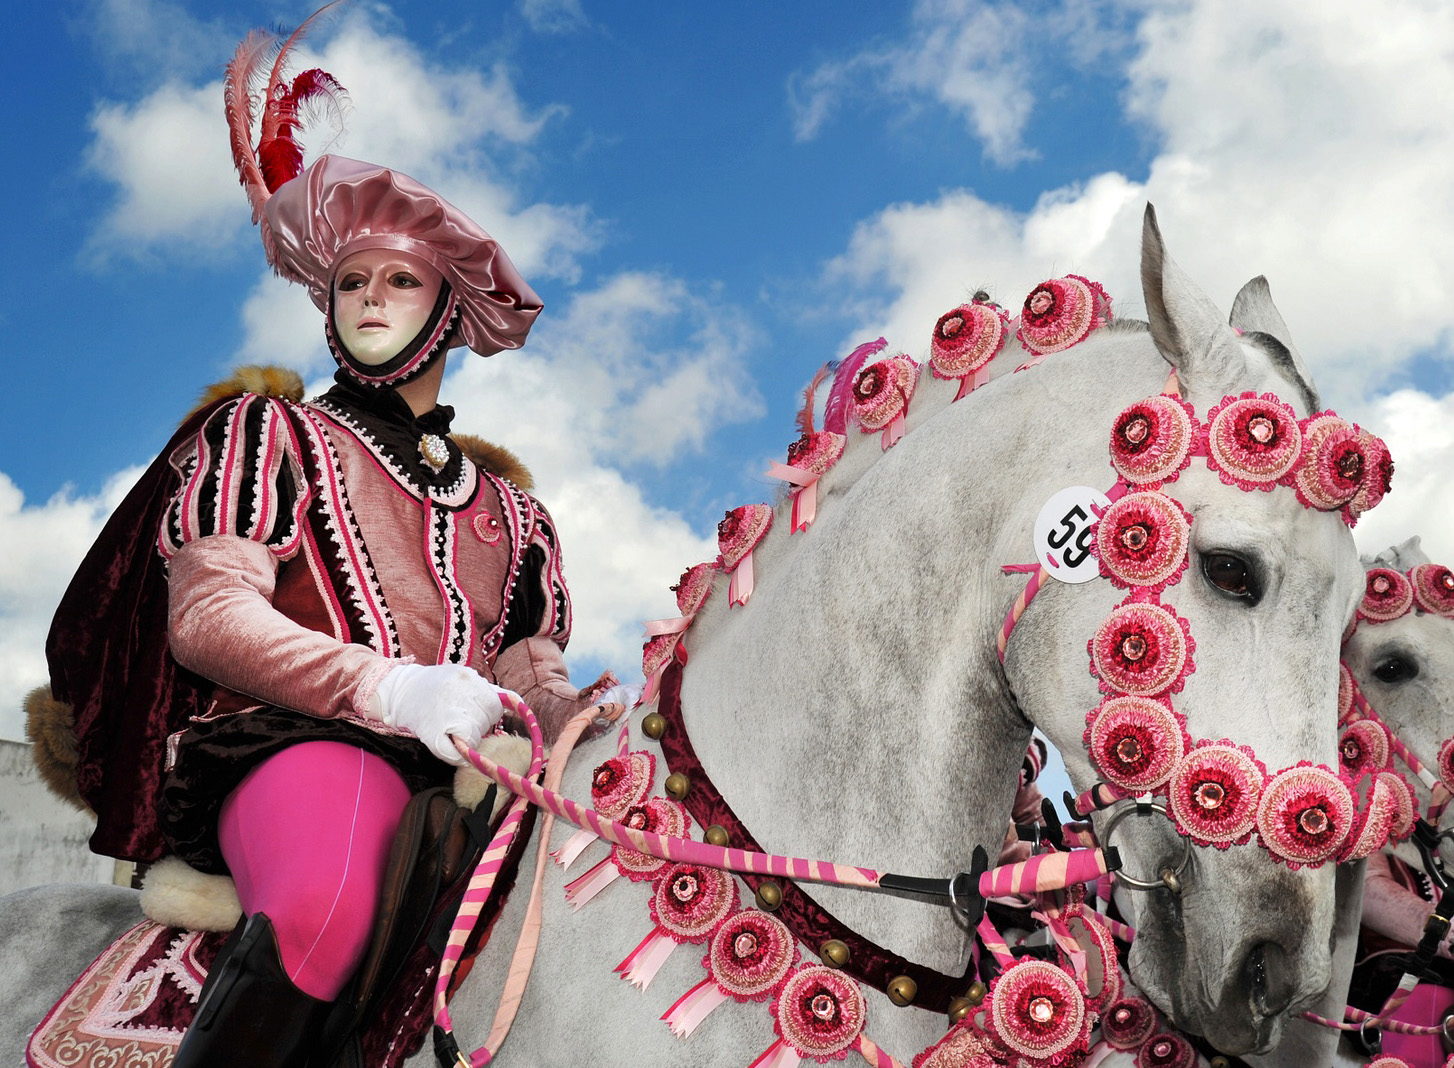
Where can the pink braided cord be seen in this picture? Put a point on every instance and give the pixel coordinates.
(1043, 873)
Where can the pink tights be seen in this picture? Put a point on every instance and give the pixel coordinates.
(306, 836)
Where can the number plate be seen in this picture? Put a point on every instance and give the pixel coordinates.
(1065, 530)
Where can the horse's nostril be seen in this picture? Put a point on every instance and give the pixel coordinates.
(1257, 976)
(1268, 988)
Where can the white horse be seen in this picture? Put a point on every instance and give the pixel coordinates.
(855, 710)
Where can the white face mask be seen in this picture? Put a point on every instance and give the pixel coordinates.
(381, 300)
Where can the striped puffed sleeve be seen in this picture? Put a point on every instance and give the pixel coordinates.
(242, 476)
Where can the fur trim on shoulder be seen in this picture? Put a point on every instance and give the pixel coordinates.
(50, 726)
(496, 459)
(175, 894)
(509, 751)
(269, 381)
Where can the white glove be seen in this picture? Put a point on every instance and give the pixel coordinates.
(434, 701)
(621, 694)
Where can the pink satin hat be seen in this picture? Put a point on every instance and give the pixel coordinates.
(340, 206)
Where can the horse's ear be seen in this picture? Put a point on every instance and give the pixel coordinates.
(1253, 310)
(1186, 326)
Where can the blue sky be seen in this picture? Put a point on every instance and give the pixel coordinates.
(712, 200)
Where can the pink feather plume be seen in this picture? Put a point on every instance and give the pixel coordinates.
(805, 414)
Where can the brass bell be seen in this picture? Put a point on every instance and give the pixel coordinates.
(677, 785)
(1220, 1062)
(769, 896)
(901, 990)
(716, 835)
(834, 953)
(653, 725)
(976, 992)
(959, 1008)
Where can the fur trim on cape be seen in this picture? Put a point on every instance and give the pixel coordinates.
(177, 895)
(269, 381)
(50, 726)
(496, 459)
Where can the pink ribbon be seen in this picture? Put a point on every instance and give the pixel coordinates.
(579, 891)
(641, 966)
(805, 495)
(655, 627)
(740, 588)
(971, 382)
(574, 846)
(693, 1006)
(893, 432)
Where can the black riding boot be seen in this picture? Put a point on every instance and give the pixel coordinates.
(251, 1015)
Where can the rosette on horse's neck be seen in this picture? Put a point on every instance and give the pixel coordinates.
(311, 220)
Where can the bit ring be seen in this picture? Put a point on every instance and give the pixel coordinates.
(1170, 878)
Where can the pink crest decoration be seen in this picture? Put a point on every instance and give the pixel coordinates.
(1387, 594)
(1252, 441)
(1213, 794)
(693, 587)
(1062, 312)
(1346, 686)
(881, 394)
(1372, 821)
(1142, 649)
(1304, 815)
(1151, 440)
(658, 815)
(1136, 742)
(1142, 540)
(1445, 764)
(1402, 800)
(965, 340)
(1103, 981)
(1038, 1012)
(621, 782)
(688, 901)
(737, 535)
(1377, 476)
(809, 459)
(1166, 1050)
(1363, 748)
(1433, 588)
(962, 1047)
(657, 652)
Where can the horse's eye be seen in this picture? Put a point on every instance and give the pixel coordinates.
(1231, 575)
(1395, 669)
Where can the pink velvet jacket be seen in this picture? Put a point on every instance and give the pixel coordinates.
(305, 562)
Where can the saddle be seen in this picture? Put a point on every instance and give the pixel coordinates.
(134, 1003)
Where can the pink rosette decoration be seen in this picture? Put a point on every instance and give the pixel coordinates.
(1142, 540)
(1304, 815)
(1346, 686)
(1387, 595)
(1444, 765)
(1371, 823)
(1405, 805)
(656, 653)
(819, 1014)
(1151, 441)
(1135, 742)
(1127, 1023)
(616, 785)
(655, 814)
(1039, 1012)
(1253, 442)
(809, 459)
(1377, 477)
(688, 901)
(1363, 748)
(965, 340)
(1102, 980)
(748, 959)
(692, 590)
(1388, 1060)
(1433, 588)
(737, 535)
(962, 1047)
(1142, 649)
(1332, 467)
(1062, 312)
(1166, 1050)
(881, 394)
(1214, 792)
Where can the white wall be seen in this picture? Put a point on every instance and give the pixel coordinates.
(42, 839)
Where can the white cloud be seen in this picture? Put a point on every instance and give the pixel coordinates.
(43, 546)
(454, 130)
(976, 59)
(553, 16)
(1299, 141)
(1419, 430)
(605, 384)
